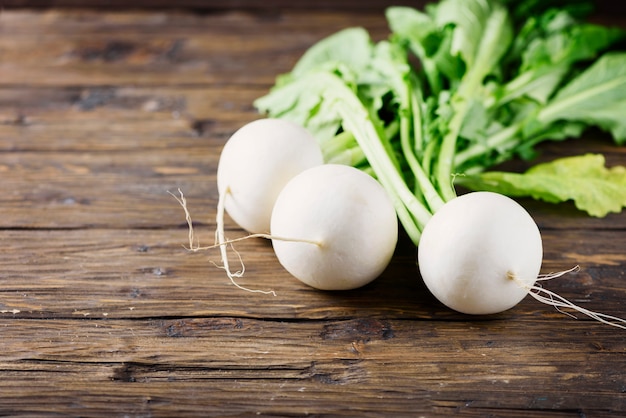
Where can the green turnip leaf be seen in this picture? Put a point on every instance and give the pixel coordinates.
(585, 179)
(597, 97)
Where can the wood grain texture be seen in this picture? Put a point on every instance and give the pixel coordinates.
(604, 6)
(104, 313)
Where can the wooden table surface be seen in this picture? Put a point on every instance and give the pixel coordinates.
(104, 313)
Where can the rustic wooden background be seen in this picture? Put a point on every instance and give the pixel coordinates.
(602, 6)
(103, 312)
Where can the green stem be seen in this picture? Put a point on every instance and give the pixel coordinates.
(350, 156)
(445, 160)
(425, 186)
(504, 139)
(338, 143)
(496, 36)
(428, 157)
(412, 213)
(342, 149)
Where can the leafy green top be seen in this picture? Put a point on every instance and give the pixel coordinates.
(489, 85)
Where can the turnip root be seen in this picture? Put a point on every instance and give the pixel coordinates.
(255, 164)
(347, 222)
(480, 253)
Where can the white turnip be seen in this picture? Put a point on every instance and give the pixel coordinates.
(480, 253)
(346, 222)
(255, 164)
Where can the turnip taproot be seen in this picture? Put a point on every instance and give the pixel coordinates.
(473, 246)
(349, 216)
(481, 253)
(255, 164)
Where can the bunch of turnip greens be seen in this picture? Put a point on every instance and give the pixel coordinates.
(459, 87)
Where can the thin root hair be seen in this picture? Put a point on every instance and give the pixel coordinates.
(558, 301)
(554, 275)
(553, 299)
(183, 202)
(220, 241)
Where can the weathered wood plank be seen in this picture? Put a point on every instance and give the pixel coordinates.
(352, 5)
(121, 119)
(604, 6)
(213, 365)
(96, 190)
(88, 48)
